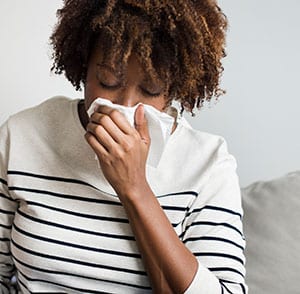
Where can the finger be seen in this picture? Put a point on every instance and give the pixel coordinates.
(96, 146)
(117, 117)
(141, 124)
(109, 125)
(102, 136)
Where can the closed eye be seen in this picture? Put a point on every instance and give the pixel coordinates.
(148, 93)
(109, 87)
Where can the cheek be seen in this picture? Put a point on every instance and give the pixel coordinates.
(88, 97)
(91, 93)
(159, 103)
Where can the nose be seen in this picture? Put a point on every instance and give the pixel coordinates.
(128, 96)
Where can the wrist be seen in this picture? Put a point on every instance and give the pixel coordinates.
(135, 193)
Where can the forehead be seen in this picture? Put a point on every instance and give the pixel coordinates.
(115, 52)
(120, 66)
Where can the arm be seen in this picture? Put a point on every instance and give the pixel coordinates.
(171, 264)
(122, 155)
(7, 210)
(213, 229)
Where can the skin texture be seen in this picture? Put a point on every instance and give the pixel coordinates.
(122, 152)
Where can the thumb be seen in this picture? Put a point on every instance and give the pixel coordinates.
(141, 124)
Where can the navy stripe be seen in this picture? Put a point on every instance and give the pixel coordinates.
(195, 194)
(10, 269)
(230, 282)
(23, 285)
(66, 196)
(5, 226)
(82, 247)
(50, 178)
(58, 225)
(78, 262)
(224, 286)
(85, 199)
(7, 276)
(177, 208)
(207, 223)
(243, 288)
(2, 283)
(61, 285)
(227, 269)
(9, 265)
(84, 215)
(175, 225)
(76, 275)
(5, 197)
(3, 181)
(208, 238)
(7, 212)
(216, 208)
(80, 182)
(214, 254)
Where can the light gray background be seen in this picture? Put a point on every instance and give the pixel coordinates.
(259, 115)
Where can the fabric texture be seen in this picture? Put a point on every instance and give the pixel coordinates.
(64, 230)
(271, 218)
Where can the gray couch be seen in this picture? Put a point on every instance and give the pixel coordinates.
(272, 230)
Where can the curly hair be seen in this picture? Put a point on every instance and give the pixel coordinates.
(180, 41)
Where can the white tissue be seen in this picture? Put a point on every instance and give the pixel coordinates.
(159, 124)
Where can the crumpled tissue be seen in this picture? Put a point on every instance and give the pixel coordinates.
(160, 125)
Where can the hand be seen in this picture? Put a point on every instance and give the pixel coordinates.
(122, 150)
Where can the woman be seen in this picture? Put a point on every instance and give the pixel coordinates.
(123, 223)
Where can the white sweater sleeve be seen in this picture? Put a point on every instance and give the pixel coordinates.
(7, 210)
(214, 233)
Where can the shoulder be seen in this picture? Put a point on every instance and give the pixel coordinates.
(214, 169)
(52, 109)
(192, 157)
(202, 146)
(52, 106)
(46, 121)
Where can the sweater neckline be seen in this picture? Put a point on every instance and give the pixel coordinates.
(75, 114)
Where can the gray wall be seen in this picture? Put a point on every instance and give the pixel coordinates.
(259, 115)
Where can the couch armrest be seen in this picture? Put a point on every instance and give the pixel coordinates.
(272, 230)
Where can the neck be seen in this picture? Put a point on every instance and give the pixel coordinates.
(83, 116)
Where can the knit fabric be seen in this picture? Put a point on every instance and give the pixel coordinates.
(64, 230)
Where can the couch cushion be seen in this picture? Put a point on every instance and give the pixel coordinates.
(272, 230)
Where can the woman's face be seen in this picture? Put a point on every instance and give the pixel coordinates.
(128, 90)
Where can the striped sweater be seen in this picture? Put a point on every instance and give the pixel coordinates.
(64, 230)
